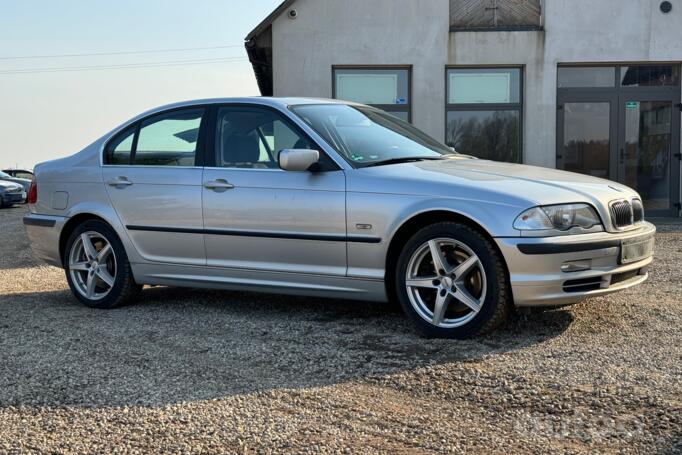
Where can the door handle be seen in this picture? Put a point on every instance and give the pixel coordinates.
(120, 181)
(219, 184)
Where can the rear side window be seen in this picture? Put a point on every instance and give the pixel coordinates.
(120, 148)
(168, 139)
(23, 175)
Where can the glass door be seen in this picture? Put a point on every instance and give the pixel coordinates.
(587, 126)
(648, 147)
(622, 123)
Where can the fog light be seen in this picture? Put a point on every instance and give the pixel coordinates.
(576, 266)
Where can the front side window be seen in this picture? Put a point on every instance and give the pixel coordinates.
(484, 107)
(385, 88)
(253, 137)
(367, 136)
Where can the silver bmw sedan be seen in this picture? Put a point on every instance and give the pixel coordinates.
(330, 199)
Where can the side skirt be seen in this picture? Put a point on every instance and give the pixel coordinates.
(260, 281)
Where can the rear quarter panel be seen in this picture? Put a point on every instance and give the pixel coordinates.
(79, 175)
(72, 186)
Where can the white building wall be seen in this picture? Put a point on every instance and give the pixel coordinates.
(416, 32)
(365, 32)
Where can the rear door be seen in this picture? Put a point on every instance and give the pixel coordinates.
(259, 217)
(153, 174)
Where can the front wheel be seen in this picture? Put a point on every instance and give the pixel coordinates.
(97, 266)
(452, 282)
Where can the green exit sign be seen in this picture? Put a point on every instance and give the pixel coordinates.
(631, 105)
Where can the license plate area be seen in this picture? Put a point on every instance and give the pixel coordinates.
(633, 250)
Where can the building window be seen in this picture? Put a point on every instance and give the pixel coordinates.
(387, 88)
(586, 76)
(484, 112)
(650, 76)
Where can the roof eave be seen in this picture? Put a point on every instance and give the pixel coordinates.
(269, 20)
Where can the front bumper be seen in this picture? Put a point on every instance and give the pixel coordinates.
(14, 198)
(43, 233)
(535, 265)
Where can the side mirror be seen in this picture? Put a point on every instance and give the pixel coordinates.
(297, 159)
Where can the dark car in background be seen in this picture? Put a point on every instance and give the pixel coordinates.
(11, 193)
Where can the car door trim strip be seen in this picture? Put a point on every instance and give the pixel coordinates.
(271, 235)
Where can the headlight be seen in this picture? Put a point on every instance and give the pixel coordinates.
(566, 218)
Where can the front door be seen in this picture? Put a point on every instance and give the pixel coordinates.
(623, 125)
(258, 217)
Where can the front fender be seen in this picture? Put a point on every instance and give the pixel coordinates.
(386, 213)
(495, 218)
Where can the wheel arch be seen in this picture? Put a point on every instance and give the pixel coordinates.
(412, 225)
(96, 210)
(71, 225)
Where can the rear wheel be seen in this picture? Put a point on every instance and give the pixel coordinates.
(452, 282)
(97, 266)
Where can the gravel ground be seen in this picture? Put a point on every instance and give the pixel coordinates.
(192, 371)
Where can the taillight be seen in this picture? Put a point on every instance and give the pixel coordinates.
(32, 193)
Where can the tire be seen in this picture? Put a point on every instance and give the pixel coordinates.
(2, 203)
(107, 269)
(453, 302)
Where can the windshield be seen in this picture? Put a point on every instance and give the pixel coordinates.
(4, 175)
(366, 136)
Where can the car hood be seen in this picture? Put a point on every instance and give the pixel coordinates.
(8, 185)
(511, 184)
(18, 180)
(540, 184)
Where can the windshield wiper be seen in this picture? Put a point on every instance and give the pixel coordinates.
(406, 159)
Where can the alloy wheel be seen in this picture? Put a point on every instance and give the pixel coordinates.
(446, 282)
(92, 265)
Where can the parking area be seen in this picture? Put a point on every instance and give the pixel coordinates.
(196, 371)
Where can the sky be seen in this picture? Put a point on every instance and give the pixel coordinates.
(49, 110)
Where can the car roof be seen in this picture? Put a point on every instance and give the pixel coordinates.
(283, 102)
(280, 103)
